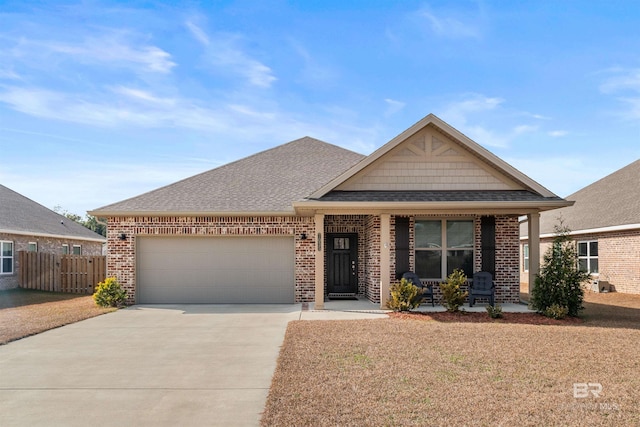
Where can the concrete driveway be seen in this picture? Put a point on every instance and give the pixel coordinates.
(182, 365)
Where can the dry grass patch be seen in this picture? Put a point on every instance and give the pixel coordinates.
(425, 372)
(25, 312)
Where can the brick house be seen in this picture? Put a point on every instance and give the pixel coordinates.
(605, 224)
(307, 220)
(28, 226)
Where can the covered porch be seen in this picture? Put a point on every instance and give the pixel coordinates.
(360, 255)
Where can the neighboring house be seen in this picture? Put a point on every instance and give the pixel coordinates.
(308, 220)
(28, 226)
(605, 224)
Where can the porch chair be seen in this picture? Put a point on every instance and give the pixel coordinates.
(482, 286)
(425, 291)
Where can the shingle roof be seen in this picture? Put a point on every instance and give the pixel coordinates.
(436, 196)
(613, 200)
(267, 182)
(22, 215)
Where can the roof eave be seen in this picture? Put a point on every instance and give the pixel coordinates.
(519, 207)
(152, 213)
(52, 235)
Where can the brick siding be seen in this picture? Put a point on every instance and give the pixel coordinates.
(121, 256)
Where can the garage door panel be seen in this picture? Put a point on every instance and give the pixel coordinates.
(215, 270)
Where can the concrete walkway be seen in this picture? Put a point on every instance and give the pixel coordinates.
(167, 365)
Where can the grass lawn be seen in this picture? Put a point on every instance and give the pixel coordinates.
(426, 371)
(25, 312)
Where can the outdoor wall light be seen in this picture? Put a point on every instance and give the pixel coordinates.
(303, 236)
(122, 236)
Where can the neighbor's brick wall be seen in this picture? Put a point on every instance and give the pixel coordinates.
(45, 244)
(618, 258)
(121, 255)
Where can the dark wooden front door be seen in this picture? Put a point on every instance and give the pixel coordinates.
(342, 263)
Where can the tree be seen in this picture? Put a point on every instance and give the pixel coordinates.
(89, 221)
(560, 280)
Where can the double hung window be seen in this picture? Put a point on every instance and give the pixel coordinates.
(442, 246)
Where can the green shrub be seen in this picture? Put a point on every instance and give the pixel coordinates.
(495, 312)
(110, 293)
(403, 296)
(556, 311)
(560, 280)
(452, 295)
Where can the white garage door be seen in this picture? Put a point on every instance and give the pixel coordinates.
(215, 270)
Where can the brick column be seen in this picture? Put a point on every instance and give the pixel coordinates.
(385, 258)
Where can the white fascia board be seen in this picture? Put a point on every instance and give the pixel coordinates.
(609, 229)
(53, 236)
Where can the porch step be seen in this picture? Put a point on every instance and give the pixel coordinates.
(342, 296)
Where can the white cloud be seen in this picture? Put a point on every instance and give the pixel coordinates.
(625, 85)
(449, 27)
(522, 129)
(558, 133)
(465, 114)
(141, 95)
(198, 33)
(224, 52)
(112, 49)
(393, 106)
(622, 81)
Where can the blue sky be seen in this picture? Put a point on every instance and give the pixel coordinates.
(101, 101)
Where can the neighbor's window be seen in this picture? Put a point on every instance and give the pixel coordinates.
(65, 249)
(33, 247)
(442, 246)
(6, 257)
(77, 250)
(588, 256)
(525, 257)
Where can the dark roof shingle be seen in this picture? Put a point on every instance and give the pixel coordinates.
(613, 200)
(268, 181)
(24, 216)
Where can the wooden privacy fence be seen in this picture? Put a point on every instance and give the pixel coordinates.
(77, 274)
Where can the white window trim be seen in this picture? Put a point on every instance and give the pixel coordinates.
(73, 250)
(65, 245)
(589, 257)
(444, 248)
(32, 243)
(3, 257)
(525, 257)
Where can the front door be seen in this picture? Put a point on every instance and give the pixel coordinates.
(342, 263)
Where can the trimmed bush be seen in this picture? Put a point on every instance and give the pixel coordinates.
(452, 295)
(404, 296)
(110, 293)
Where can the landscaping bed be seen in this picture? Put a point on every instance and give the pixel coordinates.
(25, 312)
